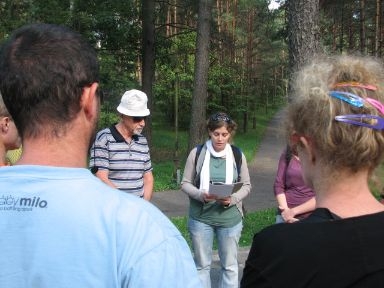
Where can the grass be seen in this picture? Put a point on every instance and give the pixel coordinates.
(254, 222)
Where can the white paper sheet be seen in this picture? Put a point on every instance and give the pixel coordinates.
(223, 190)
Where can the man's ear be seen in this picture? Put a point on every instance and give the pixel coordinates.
(90, 100)
(4, 124)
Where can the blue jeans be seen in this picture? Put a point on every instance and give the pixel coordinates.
(228, 243)
(279, 219)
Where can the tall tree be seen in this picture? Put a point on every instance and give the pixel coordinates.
(199, 97)
(377, 28)
(303, 35)
(362, 27)
(148, 55)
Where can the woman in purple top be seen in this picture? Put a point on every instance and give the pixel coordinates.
(294, 198)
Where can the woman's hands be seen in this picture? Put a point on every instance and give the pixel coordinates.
(288, 215)
(223, 201)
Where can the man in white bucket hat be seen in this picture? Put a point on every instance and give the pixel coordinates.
(120, 154)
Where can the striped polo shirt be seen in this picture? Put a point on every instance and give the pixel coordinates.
(126, 162)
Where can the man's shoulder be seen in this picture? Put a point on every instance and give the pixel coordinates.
(104, 132)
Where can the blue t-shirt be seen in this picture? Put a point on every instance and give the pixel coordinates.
(63, 227)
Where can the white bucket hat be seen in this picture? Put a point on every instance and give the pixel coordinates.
(134, 103)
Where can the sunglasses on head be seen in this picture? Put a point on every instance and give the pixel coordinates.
(137, 119)
(221, 117)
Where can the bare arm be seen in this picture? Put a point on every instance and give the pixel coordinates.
(103, 176)
(148, 185)
(289, 214)
(282, 201)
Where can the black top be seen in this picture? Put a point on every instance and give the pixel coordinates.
(321, 251)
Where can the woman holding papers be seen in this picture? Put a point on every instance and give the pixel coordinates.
(216, 214)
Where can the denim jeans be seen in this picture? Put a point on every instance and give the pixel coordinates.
(202, 236)
(279, 219)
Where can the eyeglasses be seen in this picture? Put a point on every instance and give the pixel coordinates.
(221, 117)
(138, 119)
(357, 119)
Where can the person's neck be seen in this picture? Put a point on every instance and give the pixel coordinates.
(347, 195)
(3, 154)
(124, 131)
(62, 152)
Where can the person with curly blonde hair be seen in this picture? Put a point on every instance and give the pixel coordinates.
(336, 123)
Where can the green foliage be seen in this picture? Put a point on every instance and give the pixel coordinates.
(107, 119)
(376, 181)
(115, 31)
(168, 153)
(250, 141)
(175, 78)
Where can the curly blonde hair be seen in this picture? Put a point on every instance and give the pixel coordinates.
(312, 112)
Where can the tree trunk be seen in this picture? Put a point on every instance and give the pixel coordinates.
(249, 67)
(197, 132)
(148, 52)
(362, 28)
(303, 35)
(377, 28)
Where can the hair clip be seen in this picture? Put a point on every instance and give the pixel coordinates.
(356, 84)
(357, 119)
(350, 98)
(377, 104)
(357, 101)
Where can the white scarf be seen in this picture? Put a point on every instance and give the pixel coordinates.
(205, 175)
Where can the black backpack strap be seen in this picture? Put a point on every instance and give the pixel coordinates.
(199, 162)
(238, 155)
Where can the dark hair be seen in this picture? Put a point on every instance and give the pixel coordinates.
(220, 119)
(43, 70)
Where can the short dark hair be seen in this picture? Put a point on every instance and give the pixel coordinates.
(43, 70)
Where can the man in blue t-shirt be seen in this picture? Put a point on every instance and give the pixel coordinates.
(60, 226)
